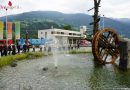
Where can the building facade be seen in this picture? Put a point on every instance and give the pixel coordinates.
(65, 37)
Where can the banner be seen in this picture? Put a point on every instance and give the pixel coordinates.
(17, 30)
(9, 35)
(1, 29)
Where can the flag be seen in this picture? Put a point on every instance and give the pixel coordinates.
(9, 32)
(17, 30)
(1, 29)
(10, 3)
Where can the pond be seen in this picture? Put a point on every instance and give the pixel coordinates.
(74, 72)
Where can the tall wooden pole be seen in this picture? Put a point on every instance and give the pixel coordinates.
(96, 17)
(26, 42)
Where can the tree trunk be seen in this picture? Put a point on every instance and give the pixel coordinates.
(95, 17)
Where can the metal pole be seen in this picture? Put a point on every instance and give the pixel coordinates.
(6, 29)
(103, 22)
(26, 38)
(100, 25)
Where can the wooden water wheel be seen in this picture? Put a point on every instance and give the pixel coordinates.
(105, 46)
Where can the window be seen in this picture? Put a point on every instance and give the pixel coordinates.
(58, 32)
(74, 34)
(41, 32)
(78, 34)
(62, 32)
(70, 33)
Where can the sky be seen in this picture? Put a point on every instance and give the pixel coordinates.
(109, 8)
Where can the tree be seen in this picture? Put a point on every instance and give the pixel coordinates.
(67, 27)
(96, 17)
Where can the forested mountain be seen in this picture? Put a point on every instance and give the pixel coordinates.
(37, 20)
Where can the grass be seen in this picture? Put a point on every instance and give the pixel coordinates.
(7, 60)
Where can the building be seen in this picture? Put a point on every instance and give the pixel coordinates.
(83, 30)
(65, 37)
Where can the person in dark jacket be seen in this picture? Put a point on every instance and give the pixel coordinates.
(28, 48)
(24, 48)
(5, 49)
(13, 50)
(1, 49)
(9, 49)
(18, 48)
(33, 48)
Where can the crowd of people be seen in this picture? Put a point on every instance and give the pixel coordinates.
(13, 49)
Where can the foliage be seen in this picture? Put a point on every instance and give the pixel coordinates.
(36, 20)
(6, 60)
(33, 27)
(32, 55)
(20, 56)
(67, 27)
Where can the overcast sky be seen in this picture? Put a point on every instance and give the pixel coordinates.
(110, 8)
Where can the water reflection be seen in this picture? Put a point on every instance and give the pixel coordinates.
(108, 77)
(122, 77)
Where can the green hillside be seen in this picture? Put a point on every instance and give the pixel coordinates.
(37, 20)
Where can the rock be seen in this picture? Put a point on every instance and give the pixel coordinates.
(45, 69)
(13, 64)
(55, 67)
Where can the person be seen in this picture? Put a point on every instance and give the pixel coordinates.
(40, 48)
(5, 49)
(28, 48)
(18, 48)
(13, 50)
(9, 49)
(49, 49)
(33, 48)
(78, 46)
(24, 48)
(1, 49)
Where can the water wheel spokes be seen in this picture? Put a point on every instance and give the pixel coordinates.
(105, 46)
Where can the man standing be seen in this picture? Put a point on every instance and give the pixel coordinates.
(18, 48)
(9, 49)
(5, 50)
(1, 49)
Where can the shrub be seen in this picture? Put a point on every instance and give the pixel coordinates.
(33, 55)
(20, 56)
(6, 60)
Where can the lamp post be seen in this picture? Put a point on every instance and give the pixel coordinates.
(103, 22)
(6, 28)
(26, 42)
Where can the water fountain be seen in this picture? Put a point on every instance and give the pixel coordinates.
(53, 46)
(55, 51)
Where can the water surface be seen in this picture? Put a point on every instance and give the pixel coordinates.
(74, 72)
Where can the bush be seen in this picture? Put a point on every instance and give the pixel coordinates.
(6, 60)
(33, 55)
(20, 56)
